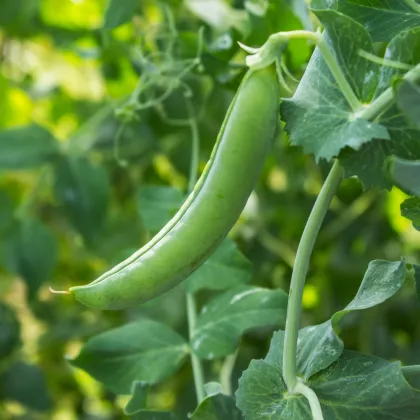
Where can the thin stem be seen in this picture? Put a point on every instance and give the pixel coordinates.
(278, 247)
(191, 304)
(225, 375)
(383, 101)
(312, 398)
(334, 67)
(411, 370)
(300, 269)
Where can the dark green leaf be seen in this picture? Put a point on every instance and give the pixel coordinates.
(356, 386)
(9, 330)
(318, 117)
(406, 174)
(31, 252)
(119, 12)
(25, 384)
(217, 407)
(222, 322)
(408, 99)
(156, 205)
(138, 398)
(417, 278)
(144, 350)
(410, 209)
(226, 268)
(7, 209)
(26, 147)
(153, 415)
(82, 188)
(382, 18)
(368, 162)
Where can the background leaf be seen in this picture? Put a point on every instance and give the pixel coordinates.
(410, 209)
(408, 99)
(406, 174)
(217, 407)
(119, 12)
(9, 330)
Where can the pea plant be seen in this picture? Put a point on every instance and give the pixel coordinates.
(355, 110)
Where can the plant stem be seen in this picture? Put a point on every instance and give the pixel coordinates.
(411, 370)
(190, 298)
(300, 269)
(225, 375)
(332, 64)
(312, 398)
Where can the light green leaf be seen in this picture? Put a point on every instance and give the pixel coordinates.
(356, 386)
(82, 188)
(226, 268)
(368, 162)
(222, 322)
(9, 330)
(119, 12)
(217, 407)
(138, 398)
(408, 99)
(144, 350)
(26, 147)
(382, 18)
(156, 205)
(406, 174)
(31, 252)
(318, 117)
(213, 388)
(410, 209)
(25, 384)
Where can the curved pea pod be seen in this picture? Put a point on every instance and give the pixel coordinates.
(210, 211)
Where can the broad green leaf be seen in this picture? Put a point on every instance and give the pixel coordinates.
(82, 188)
(9, 330)
(356, 386)
(368, 162)
(119, 12)
(25, 384)
(318, 117)
(320, 345)
(144, 350)
(408, 99)
(225, 318)
(406, 174)
(226, 268)
(156, 205)
(138, 398)
(217, 407)
(31, 252)
(7, 209)
(382, 18)
(410, 209)
(26, 147)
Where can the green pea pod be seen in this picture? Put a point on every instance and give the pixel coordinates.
(210, 211)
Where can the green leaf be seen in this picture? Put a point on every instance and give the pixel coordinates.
(417, 278)
(408, 99)
(7, 209)
(226, 268)
(26, 147)
(25, 384)
(157, 205)
(82, 188)
(410, 209)
(406, 174)
(138, 398)
(356, 386)
(31, 252)
(213, 388)
(382, 18)
(318, 117)
(153, 415)
(222, 321)
(9, 331)
(217, 407)
(119, 12)
(368, 162)
(144, 350)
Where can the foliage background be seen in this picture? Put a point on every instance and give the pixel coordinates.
(95, 189)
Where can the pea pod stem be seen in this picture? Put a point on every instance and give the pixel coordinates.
(197, 367)
(300, 270)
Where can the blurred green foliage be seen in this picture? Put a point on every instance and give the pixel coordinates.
(95, 147)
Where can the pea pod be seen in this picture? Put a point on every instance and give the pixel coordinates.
(210, 211)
